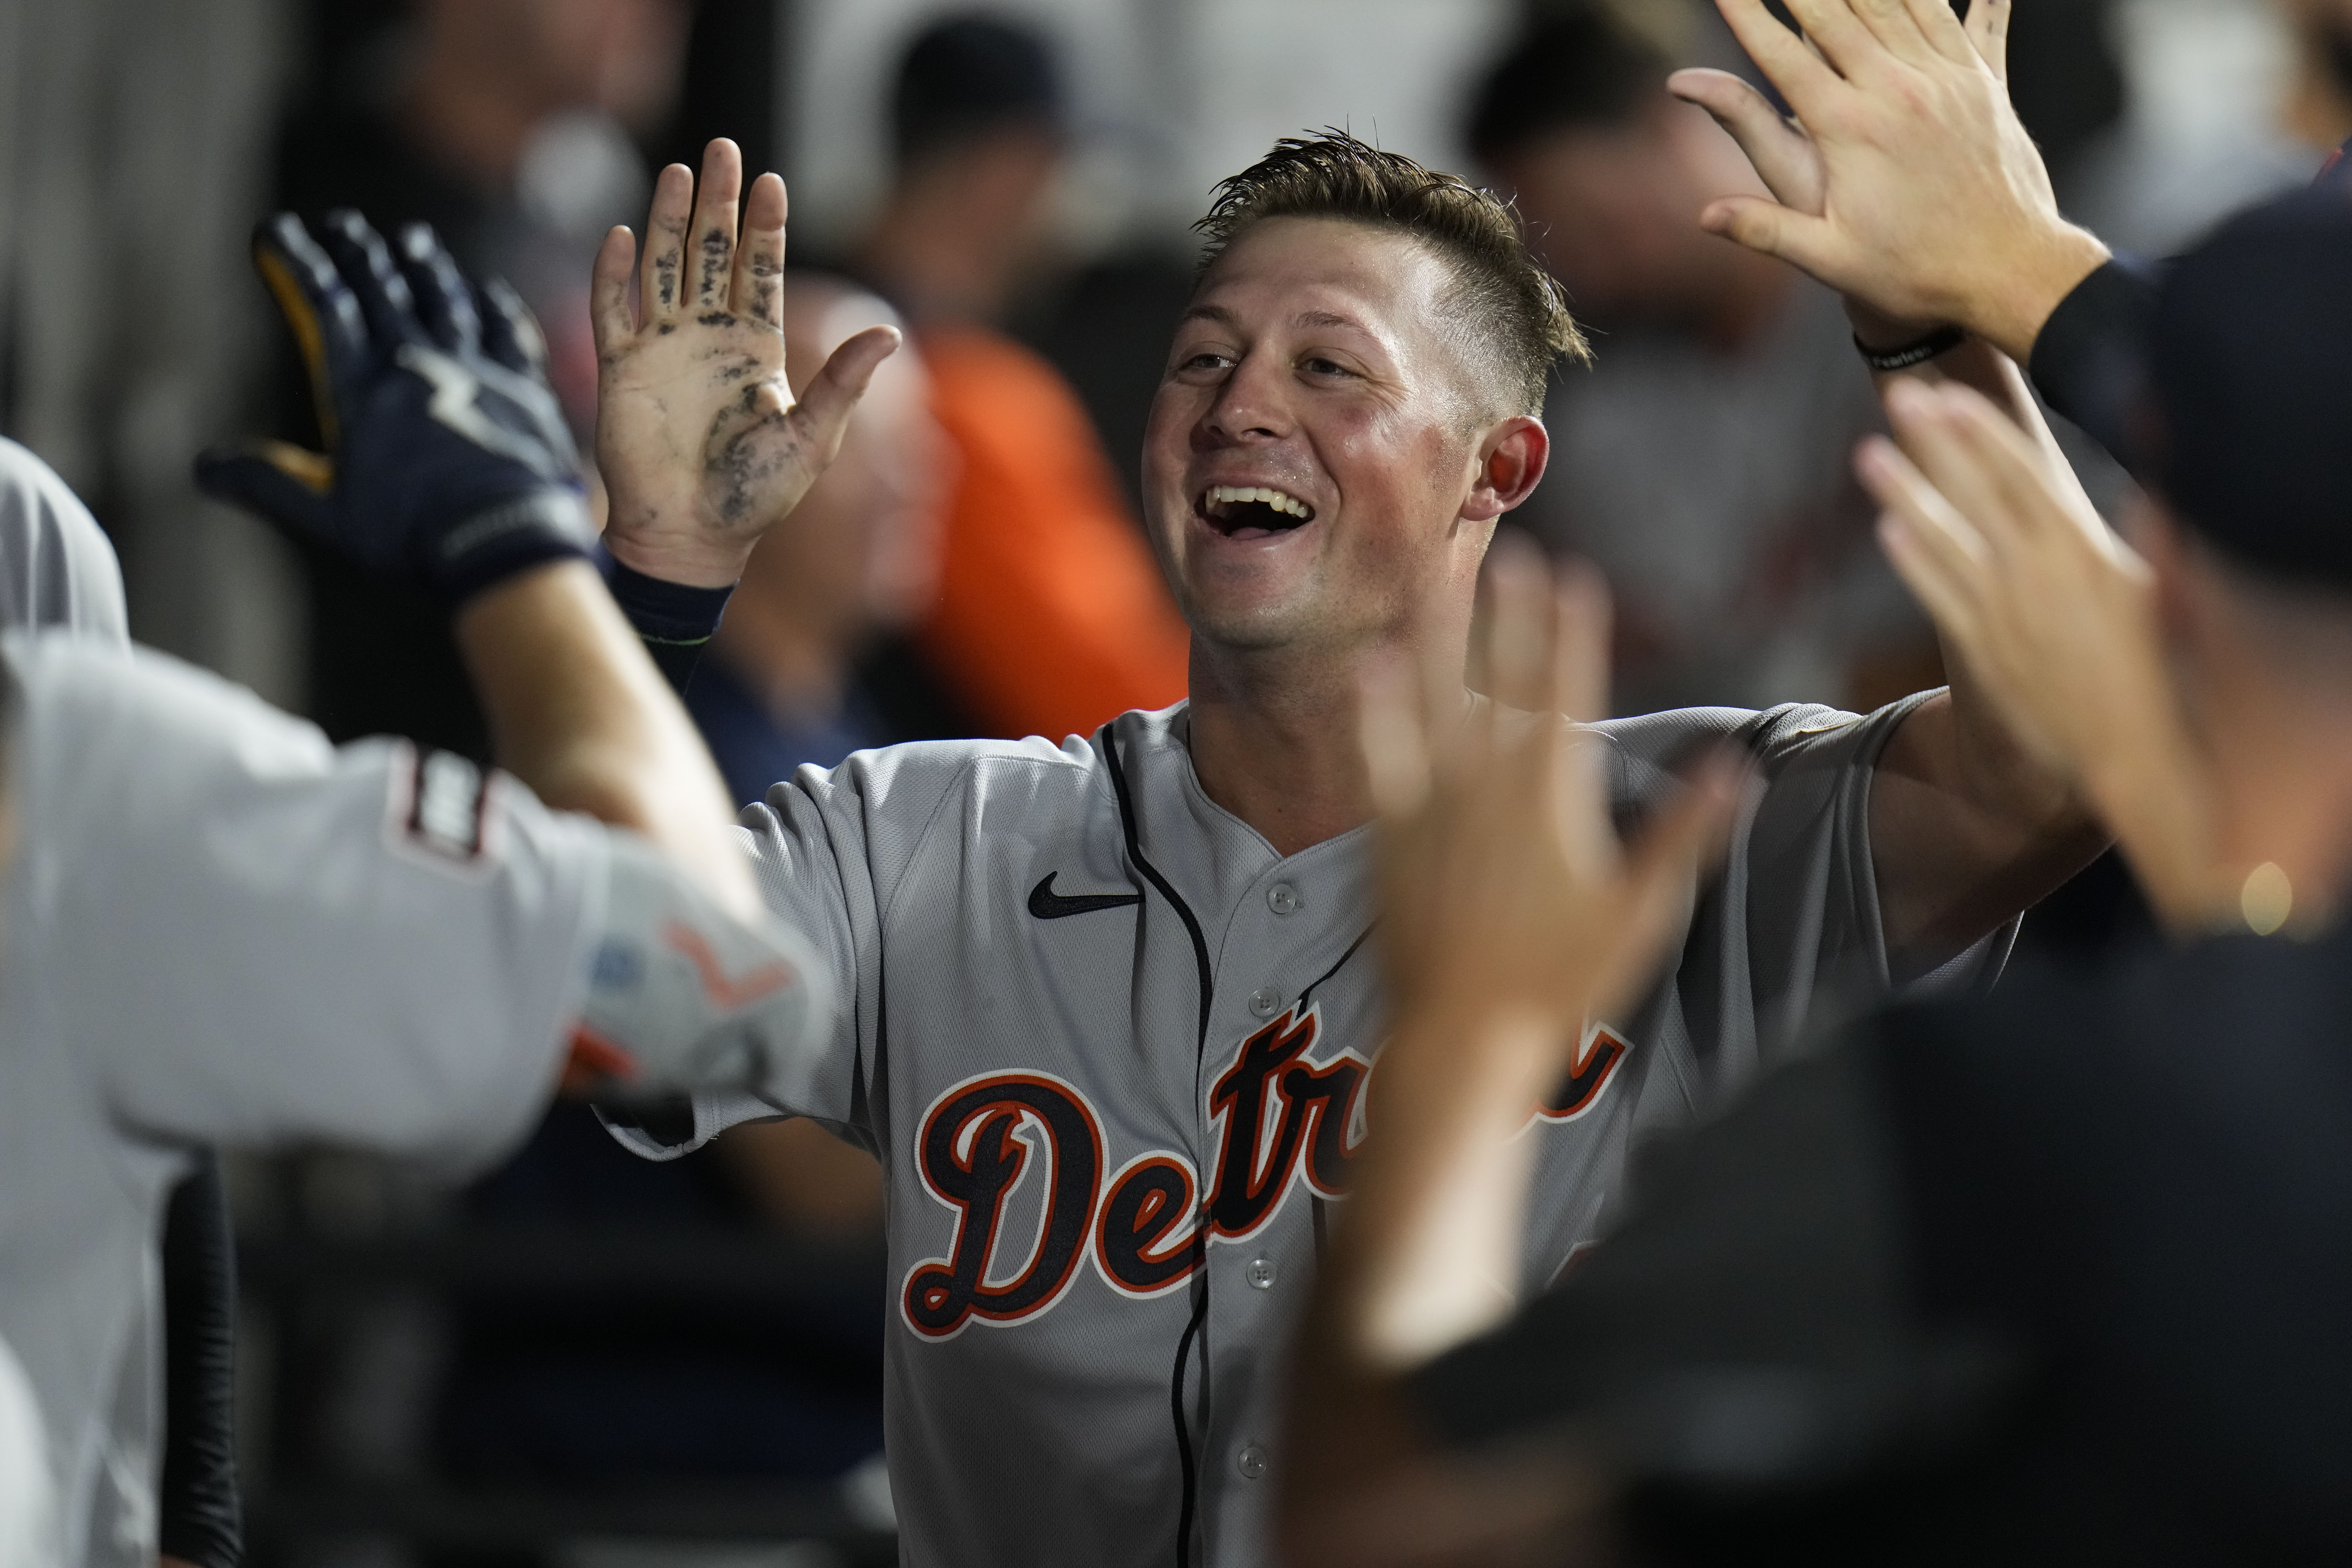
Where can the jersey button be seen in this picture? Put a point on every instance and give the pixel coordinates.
(1251, 1463)
(1260, 1273)
(1263, 1001)
(1282, 899)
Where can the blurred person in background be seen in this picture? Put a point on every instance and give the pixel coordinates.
(782, 685)
(507, 126)
(2230, 102)
(2318, 109)
(1051, 617)
(1701, 460)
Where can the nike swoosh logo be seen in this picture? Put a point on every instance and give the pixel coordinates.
(1049, 905)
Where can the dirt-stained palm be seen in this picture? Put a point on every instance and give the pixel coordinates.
(701, 443)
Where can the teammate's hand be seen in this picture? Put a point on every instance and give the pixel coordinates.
(2054, 617)
(1907, 183)
(1505, 892)
(1510, 915)
(699, 441)
(448, 464)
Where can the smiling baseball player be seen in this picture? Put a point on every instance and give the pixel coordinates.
(1107, 1009)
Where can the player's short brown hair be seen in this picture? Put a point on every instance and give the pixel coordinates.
(1510, 303)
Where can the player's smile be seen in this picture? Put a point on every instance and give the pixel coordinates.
(1252, 510)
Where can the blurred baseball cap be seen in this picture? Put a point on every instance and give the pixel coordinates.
(968, 75)
(2250, 376)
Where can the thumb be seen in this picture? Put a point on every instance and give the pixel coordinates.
(828, 400)
(285, 484)
(1807, 244)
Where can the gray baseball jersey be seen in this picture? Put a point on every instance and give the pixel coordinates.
(219, 929)
(1111, 1049)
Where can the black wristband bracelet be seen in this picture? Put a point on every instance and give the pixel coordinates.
(1942, 340)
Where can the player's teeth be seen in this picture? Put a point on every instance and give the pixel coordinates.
(1221, 496)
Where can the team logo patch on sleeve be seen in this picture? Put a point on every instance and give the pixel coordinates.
(440, 807)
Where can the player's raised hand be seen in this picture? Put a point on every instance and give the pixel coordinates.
(1906, 181)
(701, 442)
(1510, 913)
(1505, 889)
(447, 463)
(2054, 617)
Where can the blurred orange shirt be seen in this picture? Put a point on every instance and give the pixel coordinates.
(1052, 616)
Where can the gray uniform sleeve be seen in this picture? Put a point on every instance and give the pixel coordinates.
(56, 568)
(830, 847)
(1788, 941)
(251, 937)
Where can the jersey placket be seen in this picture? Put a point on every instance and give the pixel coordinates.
(1288, 1048)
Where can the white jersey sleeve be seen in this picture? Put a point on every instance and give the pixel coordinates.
(27, 1497)
(250, 936)
(56, 568)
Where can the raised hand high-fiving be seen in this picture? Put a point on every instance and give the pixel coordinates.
(1906, 181)
(446, 464)
(699, 441)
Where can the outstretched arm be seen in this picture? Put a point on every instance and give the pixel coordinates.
(1510, 915)
(449, 467)
(1906, 182)
(578, 713)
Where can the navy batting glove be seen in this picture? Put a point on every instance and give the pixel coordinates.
(448, 465)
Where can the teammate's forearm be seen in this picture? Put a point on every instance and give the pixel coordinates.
(578, 713)
(1427, 1254)
(2151, 798)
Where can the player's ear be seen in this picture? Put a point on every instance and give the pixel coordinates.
(1511, 458)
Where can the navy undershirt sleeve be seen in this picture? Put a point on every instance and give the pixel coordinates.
(2088, 362)
(675, 621)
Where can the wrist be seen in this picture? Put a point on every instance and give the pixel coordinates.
(688, 563)
(1895, 358)
(497, 544)
(1483, 1055)
(1876, 331)
(2013, 312)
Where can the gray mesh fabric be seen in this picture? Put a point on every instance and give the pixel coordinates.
(1111, 1050)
